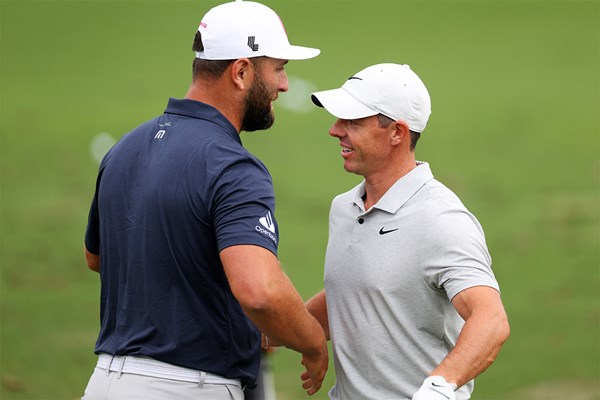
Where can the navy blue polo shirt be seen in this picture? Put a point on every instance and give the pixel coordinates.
(170, 195)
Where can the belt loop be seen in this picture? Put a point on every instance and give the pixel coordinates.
(109, 365)
(202, 378)
(121, 367)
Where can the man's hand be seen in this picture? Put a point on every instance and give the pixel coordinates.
(435, 388)
(316, 367)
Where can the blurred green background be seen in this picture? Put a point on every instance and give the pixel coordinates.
(514, 132)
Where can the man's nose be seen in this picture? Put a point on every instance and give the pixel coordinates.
(283, 83)
(337, 129)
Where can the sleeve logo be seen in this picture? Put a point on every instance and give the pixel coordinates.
(267, 222)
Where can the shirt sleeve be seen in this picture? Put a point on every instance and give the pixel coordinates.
(92, 232)
(456, 256)
(243, 206)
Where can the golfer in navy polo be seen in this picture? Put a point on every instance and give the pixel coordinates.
(183, 233)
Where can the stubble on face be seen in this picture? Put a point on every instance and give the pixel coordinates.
(367, 147)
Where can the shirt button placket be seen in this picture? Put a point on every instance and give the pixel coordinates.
(358, 229)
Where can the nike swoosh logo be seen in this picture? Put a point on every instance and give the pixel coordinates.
(383, 232)
(355, 77)
(439, 386)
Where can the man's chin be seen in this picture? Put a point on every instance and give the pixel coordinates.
(252, 126)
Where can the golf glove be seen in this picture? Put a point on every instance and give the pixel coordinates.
(435, 388)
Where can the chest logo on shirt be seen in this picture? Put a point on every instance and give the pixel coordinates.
(382, 231)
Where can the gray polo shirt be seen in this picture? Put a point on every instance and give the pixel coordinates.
(390, 275)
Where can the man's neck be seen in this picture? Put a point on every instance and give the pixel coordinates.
(214, 93)
(377, 185)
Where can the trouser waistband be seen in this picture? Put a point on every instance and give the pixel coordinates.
(147, 366)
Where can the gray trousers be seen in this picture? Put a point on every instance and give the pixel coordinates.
(265, 383)
(125, 386)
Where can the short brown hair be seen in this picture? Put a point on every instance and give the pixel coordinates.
(384, 121)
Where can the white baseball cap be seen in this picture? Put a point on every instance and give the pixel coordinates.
(247, 29)
(390, 89)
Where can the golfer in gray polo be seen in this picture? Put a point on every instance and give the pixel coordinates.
(410, 303)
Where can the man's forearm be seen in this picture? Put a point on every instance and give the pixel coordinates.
(285, 320)
(317, 306)
(478, 344)
(476, 349)
(269, 299)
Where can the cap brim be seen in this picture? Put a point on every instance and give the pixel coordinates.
(341, 104)
(295, 53)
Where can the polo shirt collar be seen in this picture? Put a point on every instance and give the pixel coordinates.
(196, 109)
(401, 191)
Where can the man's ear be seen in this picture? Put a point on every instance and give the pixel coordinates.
(242, 73)
(400, 132)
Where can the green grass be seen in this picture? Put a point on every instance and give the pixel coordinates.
(514, 131)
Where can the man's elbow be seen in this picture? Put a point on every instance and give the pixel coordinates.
(94, 267)
(503, 330)
(501, 335)
(257, 299)
(92, 260)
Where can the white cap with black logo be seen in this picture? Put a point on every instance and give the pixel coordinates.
(247, 29)
(393, 90)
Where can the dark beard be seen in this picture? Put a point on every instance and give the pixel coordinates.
(257, 114)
